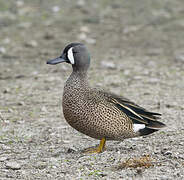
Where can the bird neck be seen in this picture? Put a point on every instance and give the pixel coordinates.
(78, 79)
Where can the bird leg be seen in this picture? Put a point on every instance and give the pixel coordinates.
(98, 149)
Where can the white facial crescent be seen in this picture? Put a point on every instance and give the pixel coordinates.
(70, 56)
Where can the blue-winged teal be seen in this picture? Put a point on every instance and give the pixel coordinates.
(98, 114)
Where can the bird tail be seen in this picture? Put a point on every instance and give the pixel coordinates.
(152, 127)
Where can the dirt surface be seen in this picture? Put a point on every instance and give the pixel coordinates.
(137, 50)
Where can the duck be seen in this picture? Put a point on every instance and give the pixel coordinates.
(96, 113)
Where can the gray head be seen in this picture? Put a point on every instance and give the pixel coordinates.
(75, 54)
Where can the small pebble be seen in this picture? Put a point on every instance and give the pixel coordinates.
(130, 29)
(21, 103)
(3, 158)
(13, 165)
(145, 72)
(91, 41)
(137, 77)
(35, 73)
(126, 72)
(44, 109)
(6, 41)
(167, 153)
(154, 52)
(5, 147)
(82, 36)
(153, 80)
(49, 36)
(109, 65)
(70, 150)
(10, 110)
(179, 57)
(55, 9)
(2, 50)
(19, 3)
(85, 29)
(7, 90)
(50, 79)
(25, 25)
(41, 165)
(80, 3)
(31, 43)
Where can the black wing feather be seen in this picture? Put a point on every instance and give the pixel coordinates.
(137, 114)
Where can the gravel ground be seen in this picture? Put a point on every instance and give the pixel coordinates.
(137, 51)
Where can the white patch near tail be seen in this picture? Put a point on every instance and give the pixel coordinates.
(137, 127)
(70, 55)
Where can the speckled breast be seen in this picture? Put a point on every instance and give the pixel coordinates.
(93, 117)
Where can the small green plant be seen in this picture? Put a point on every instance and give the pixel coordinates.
(95, 173)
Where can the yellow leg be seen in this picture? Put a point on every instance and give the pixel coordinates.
(98, 149)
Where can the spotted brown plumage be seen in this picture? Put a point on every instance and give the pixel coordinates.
(96, 113)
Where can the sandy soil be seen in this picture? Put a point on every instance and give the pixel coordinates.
(137, 50)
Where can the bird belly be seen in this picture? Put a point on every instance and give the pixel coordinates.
(98, 121)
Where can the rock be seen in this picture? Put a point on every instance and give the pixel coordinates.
(145, 72)
(82, 36)
(35, 73)
(126, 72)
(2, 50)
(179, 57)
(70, 150)
(50, 79)
(31, 43)
(153, 52)
(6, 41)
(137, 77)
(13, 165)
(85, 29)
(80, 3)
(48, 36)
(25, 25)
(1, 116)
(130, 29)
(10, 110)
(44, 109)
(41, 165)
(109, 65)
(19, 3)
(91, 41)
(19, 76)
(5, 147)
(3, 158)
(21, 103)
(55, 9)
(153, 80)
(7, 90)
(168, 153)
